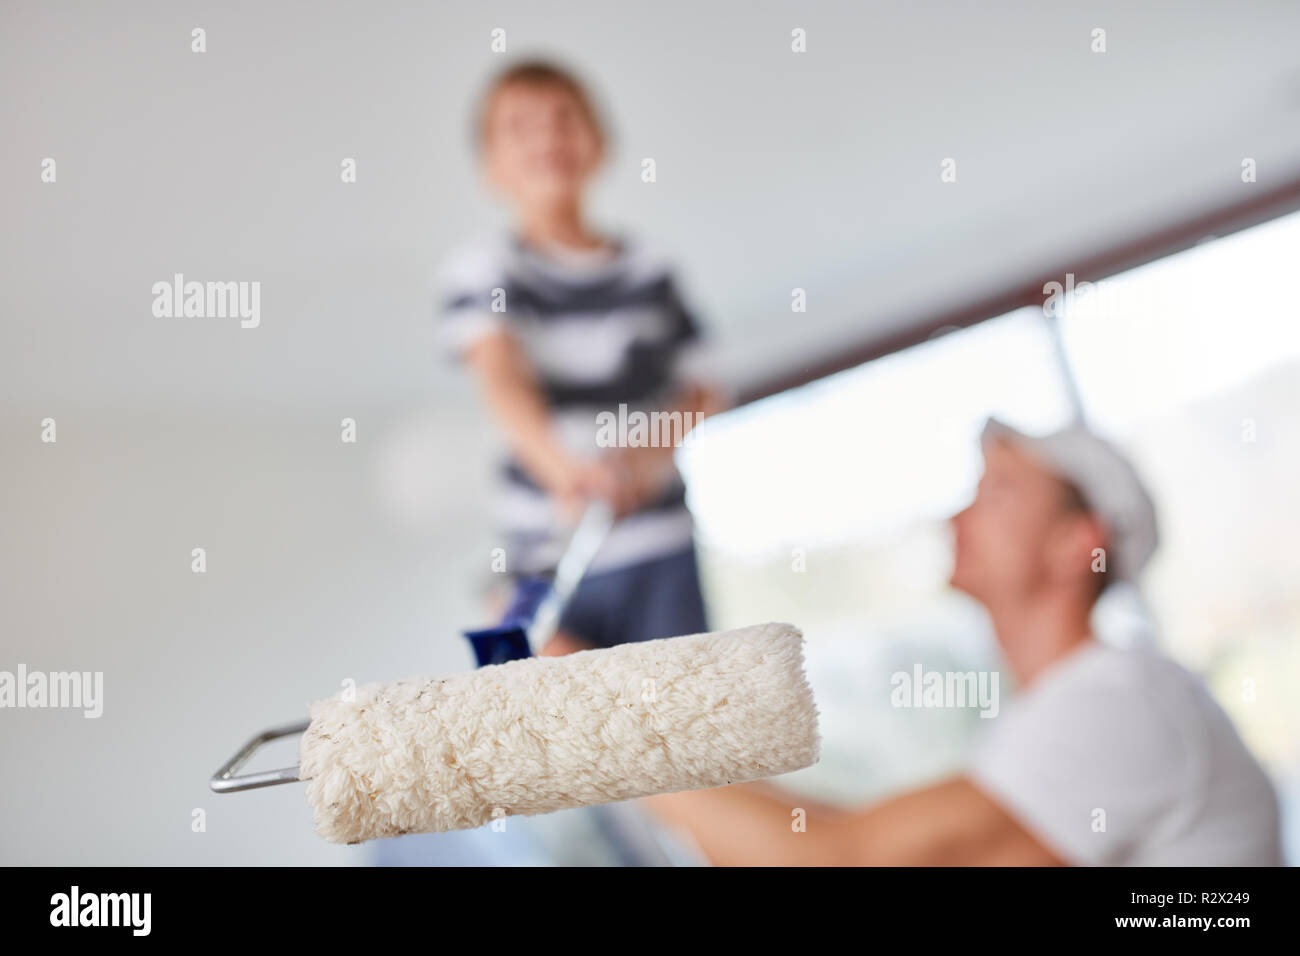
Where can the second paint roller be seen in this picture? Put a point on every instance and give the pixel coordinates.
(543, 734)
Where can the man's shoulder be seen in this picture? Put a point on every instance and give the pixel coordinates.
(1150, 701)
(1128, 681)
(1103, 664)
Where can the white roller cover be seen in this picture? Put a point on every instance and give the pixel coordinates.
(544, 734)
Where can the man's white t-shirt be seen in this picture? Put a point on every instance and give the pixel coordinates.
(1121, 757)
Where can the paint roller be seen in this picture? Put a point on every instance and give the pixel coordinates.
(533, 735)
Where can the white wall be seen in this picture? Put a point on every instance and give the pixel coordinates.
(320, 566)
(775, 170)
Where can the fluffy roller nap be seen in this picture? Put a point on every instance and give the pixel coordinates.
(543, 734)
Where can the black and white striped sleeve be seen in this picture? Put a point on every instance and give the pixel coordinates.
(472, 298)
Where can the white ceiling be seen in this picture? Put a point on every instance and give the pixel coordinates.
(818, 170)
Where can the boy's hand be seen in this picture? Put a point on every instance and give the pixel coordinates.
(579, 482)
(643, 473)
(626, 480)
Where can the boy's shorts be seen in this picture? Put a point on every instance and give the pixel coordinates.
(641, 602)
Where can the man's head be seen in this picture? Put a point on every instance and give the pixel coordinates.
(539, 136)
(1055, 517)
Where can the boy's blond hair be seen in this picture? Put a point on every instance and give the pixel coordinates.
(536, 74)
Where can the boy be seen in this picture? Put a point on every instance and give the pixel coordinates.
(558, 324)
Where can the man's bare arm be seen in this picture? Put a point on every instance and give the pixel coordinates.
(951, 823)
(752, 825)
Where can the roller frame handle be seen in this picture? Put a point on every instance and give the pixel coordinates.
(226, 779)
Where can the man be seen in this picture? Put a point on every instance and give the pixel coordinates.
(1108, 756)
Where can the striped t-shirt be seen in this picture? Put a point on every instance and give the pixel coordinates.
(599, 330)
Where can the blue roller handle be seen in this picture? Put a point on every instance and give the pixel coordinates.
(508, 641)
(538, 602)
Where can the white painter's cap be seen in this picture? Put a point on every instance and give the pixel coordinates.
(1107, 480)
